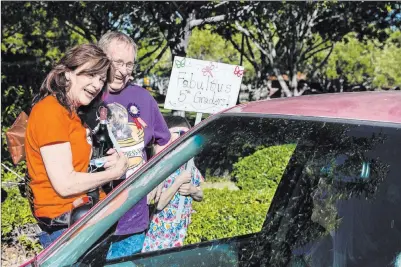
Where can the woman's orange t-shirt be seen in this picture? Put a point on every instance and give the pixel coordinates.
(51, 123)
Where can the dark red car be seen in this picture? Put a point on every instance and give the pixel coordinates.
(322, 174)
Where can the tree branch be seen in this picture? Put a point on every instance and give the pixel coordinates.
(221, 3)
(183, 16)
(247, 33)
(69, 16)
(146, 31)
(150, 52)
(71, 27)
(315, 52)
(302, 54)
(88, 35)
(323, 62)
(210, 20)
(157, 59)
(98, 22)
(250, 48)
(262, 32)
(254, 64)
(282, 83)
(10, 33)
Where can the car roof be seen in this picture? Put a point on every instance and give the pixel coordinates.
(383, 106)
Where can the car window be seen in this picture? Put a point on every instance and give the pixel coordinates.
(338, 202)
(284, 192)
(236, 197)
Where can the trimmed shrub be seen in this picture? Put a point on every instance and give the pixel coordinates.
(226, 213)
(263, 169)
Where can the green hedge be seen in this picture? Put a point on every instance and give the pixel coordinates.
(15, 210)
(262, 169)
(224, 213)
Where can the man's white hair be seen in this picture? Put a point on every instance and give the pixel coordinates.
(108, 37)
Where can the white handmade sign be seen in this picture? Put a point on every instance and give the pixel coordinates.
(203, 86)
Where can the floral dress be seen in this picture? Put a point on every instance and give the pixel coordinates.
(164, 231)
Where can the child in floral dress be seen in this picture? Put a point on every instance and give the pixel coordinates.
(165, 230)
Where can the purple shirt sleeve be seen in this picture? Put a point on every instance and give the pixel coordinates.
(161, 132)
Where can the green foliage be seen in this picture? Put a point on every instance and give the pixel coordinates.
(264, 168)
(204, 44)
(224, 213)
(15, 210)
(148, 53)
(215, 179)
(353, 58)
(387, 63)
(371, 62)
(227, 213)
(29, 244)
(285, 32)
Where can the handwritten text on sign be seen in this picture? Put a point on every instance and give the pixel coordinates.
(203, 86)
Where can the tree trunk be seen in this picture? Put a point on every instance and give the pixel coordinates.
(294, 84)
(181, 50)
(283, 85)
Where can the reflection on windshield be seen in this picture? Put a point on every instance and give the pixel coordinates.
(397, 260)
(336, 208)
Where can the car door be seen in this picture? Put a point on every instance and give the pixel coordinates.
(277, 192)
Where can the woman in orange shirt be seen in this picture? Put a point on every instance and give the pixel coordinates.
(58, 148)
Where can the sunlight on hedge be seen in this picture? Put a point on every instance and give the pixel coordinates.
(264, 168)
(225, 213)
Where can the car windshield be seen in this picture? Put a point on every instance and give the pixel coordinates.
(336, 189)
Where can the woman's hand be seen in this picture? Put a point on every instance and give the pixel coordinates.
(183, 178)
(116, 162)
(111, 159)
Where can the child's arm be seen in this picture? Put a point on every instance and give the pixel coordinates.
(166, 196)
(191, 190)
(155, 194)
(198, 196)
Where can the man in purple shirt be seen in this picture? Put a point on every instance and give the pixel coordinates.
(135, 122)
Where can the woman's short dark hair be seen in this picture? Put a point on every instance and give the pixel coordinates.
(176, 121)
(56, 83)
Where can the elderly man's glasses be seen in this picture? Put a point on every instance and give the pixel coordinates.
(119, 64)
